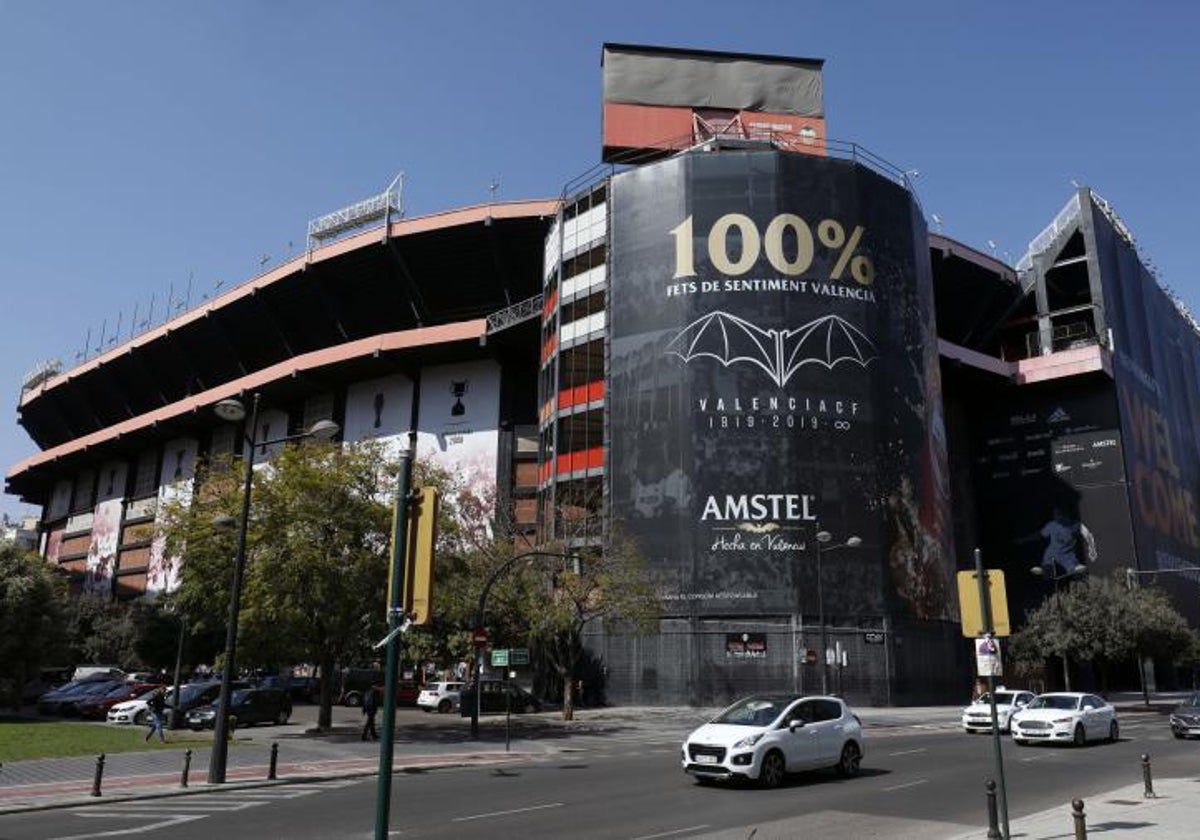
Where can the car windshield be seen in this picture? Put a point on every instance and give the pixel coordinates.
(1054, 701)
(1194, 700)
(237, 697)
(753, 711)
(146, 695)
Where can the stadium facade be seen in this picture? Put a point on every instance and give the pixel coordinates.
(732, 336)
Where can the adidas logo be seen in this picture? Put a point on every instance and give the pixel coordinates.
(1059, 415)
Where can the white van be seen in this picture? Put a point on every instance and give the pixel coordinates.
(97, 672)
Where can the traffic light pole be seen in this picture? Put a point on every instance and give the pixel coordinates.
(985, 605)
(396, 618)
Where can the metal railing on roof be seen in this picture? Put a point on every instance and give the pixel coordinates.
(515, 314)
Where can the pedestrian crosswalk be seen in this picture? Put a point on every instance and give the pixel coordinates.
(140, 817)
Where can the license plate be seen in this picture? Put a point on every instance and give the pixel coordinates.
(706, 759)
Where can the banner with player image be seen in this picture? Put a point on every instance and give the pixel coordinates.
(773, 375)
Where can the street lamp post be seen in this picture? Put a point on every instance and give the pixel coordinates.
(233, 411)
(823, 537)
(481, 612)
(1054, 576)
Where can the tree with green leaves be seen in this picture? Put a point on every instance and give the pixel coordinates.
(1103, 621)
(605, 583)
(316, 557)
(31, 617)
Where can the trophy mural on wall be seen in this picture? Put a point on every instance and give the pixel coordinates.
(458, 389)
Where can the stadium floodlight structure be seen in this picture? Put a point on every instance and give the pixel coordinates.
(378, 207)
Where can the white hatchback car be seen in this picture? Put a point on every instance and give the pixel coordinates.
(1065, 716)
(763, 738)
(978, 716)
(440, 696)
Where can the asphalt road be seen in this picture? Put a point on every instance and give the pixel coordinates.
(629, 785)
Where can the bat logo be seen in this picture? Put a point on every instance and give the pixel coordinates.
(755, 528)
(730, 340)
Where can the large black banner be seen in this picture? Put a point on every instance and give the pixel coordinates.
(774, 374)
(1157, 372)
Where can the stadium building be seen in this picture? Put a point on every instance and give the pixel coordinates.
(736, 341)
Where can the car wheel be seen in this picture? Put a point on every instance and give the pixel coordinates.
(140, 718)
(850, 762)
(771, 774)
(1114, 732)
(1080, 735)
(444, 706)
(353, 699)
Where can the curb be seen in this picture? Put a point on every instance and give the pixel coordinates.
(78, 801)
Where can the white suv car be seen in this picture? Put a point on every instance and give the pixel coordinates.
(440, 696)
(767, 736)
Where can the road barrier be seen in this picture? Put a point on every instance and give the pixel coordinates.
(274, 760)
(1147, 777)
(992, 812)
(1080, 819)
(187, 765)
(99, 775)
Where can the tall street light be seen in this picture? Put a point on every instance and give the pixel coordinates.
(233, 411)
(1053, 575)
(824, 537)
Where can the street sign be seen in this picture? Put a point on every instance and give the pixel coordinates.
(972, 612)
(519, 656)
(500, 658)
(987, 657)
(480, 637)
(874, 637)
(810, 657)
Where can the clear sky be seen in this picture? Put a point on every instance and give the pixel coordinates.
(143, 143)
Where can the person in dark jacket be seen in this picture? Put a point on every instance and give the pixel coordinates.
(156, 706)
(369, 708)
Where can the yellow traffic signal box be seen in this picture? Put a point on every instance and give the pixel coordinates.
(418, 572)
(972, 612)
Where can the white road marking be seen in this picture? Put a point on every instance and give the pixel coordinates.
(506, 813)
(174, 819)
(909, 752)
(907, 785)
(672, 833)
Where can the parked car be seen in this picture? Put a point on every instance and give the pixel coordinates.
(94, 672)
(61, 701)
(1185, 718)
(191, 695)
(978, 716)
(96, 706)
(440, 696)
(305, 689)
(248, 707)
(499, 696)
(765, 737)
(407, 692)
(1065, 716)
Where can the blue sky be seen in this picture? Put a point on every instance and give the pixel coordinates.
(143, 143)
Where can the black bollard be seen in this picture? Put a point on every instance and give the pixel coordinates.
(993, 814)
(187, 765)
(1080, 819)
(99, 775)
(1147, 778)
(274, 760)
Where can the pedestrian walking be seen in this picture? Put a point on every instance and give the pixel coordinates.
(155, 707)
(369, 707)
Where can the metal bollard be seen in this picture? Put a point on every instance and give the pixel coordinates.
(99, 775)
(187, 765)
(1080, 819)
(993, 814)
(274, 760)
(1147, 777)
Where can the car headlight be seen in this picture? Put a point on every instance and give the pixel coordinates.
(749, 740)
(1064, 720)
